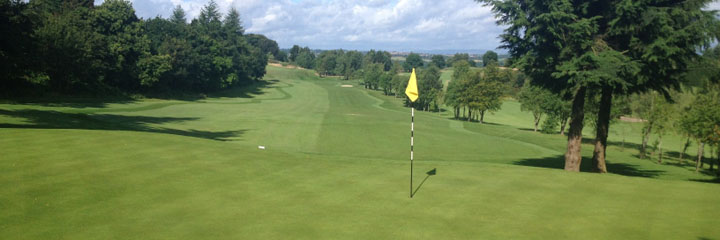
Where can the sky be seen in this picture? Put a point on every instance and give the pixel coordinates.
(395, 25)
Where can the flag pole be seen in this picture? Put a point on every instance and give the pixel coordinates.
(412, 142)
(412, 92)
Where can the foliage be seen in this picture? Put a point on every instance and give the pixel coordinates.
(266, 45)
(490, 57)
(430, 87)
(460, 57)
(438, 60)
(617, 46)
(305, 58)
(477, 91)
(80, 48)
(413, 60)
(701, 120)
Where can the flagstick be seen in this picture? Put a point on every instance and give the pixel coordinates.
(412, 136)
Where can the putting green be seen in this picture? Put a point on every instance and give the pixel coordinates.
(335, 166)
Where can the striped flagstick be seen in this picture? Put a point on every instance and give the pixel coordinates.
(412, 142)
(412, 92)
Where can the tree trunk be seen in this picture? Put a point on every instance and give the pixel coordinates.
(482, 116)
(685, 147)
(701, 150)
(562, 127)
(469, 118)
(603, 125)
(537, 117)
(573, 156)
(718, 161)
(660, 155)
(711, 159)
(646, 138)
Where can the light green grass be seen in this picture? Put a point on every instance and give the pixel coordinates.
(336, 166)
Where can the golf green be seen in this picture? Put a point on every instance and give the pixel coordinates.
(335, 166)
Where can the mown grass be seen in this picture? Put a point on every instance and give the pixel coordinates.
(336, 166)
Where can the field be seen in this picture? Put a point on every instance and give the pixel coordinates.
(336, 165)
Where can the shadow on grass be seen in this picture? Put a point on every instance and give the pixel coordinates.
(432, 172)
(70, 101)
(39, 119)
(558, 162)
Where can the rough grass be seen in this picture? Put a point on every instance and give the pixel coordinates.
(336, 166)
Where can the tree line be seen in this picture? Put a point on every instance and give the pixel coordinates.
(592, 53)
(475, 92)
(76, 47)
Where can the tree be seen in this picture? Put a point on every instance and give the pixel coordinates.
(265, 45)
(413, 60)
(385, 82)
(232, 23)
(655, 111)
(371, 75)
(454, 94)
(438, 60)
(460, 57)
(178, 15)
(430, 85)
(294, 52)
(535, 100)
(81, 48)
(489, 57)
(305, 58)
(486, 94)
(16, 45)
(611, 46)
(702, 122)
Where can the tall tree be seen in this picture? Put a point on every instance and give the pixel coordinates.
(611, 46)
(178, 15)
(232, 23)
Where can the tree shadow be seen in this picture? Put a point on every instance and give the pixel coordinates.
(39, 119)
(249, 91)
(558, 162)
(55, 100)
(69, 102)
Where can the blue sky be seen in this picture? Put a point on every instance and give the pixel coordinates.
(363, 25)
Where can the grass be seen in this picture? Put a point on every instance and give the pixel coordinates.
(336, 166)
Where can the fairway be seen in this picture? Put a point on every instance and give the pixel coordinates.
(335, 166)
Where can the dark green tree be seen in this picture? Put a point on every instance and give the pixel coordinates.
(178, 15)
(489, 57)
(413, 60)
(438, 60)
(610, 46)
(430, 85)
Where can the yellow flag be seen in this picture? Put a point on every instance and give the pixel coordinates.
(411, 91)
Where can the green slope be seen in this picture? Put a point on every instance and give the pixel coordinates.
(336, 166)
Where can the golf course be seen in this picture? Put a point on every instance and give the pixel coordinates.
(335, 165)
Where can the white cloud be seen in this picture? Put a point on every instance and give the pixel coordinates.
(348, 24)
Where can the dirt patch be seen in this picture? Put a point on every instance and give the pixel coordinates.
(346, 85)
(631, 119)
(286, 66)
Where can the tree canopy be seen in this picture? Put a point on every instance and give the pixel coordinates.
(612, 46)
(75, 47)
